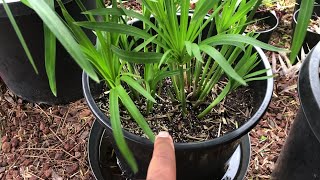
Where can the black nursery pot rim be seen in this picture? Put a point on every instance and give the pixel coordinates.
(274, 26)
(244, 129)
(295, 14)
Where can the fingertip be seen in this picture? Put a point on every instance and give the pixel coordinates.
(163, 163)
(164, 134)
(164, 137)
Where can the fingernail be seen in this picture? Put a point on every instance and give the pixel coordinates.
(163, 134)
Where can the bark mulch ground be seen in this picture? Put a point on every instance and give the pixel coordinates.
(43, 142)
(268, 137)
(50, 142)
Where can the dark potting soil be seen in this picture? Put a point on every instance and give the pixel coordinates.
(166, 115)
(258, 25)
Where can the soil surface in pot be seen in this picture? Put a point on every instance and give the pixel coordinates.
(258, 25)
(166, 115)
(314, 25)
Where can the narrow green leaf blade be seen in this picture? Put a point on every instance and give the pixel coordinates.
(57, 27)
(135, 113)
(256, 73)
(202, 9)
(300, 31)
(25, 2)
(144, 44)
(196, 52)
(188, 47)
(117, 130)
(105, 11)
(164, 58)
(120, 12)
(118, 28)
(50, 54)
(135, 85)
(237, 38)
(19, 34)
(218, 57)
(137, 57)
(258, 78)
(242, 12)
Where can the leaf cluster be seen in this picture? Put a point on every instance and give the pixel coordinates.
(194, 49)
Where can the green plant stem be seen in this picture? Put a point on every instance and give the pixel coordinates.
(204, 73)
(205, 80)
(175, 81)
(182, 93)
(189, 80)
(211, 80)
(212, 25)
(214, 79)
(197, 72)
(150, 104)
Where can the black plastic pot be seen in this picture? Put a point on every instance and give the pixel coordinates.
(100, 154)
(297, 6)
(15, 69)
(271, 19)
(311, 38)
(300, 156)
(200, 160)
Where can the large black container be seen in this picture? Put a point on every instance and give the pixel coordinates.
(311, 38)
(271, 19)
(300, 156)
(17, 72)
(201, 160)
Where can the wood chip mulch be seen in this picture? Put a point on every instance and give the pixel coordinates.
(268, 137)
(43, 142)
